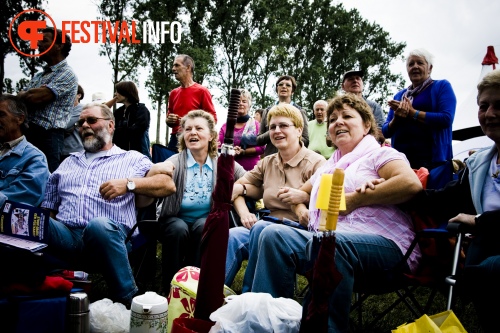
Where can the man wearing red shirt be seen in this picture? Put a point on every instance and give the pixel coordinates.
(189, 96)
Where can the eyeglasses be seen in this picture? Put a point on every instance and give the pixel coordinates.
(89, 120)
(288, 85)
(282, 126)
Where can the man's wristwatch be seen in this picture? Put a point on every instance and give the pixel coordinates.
(130, 185)
(476, 218)
(244, 190)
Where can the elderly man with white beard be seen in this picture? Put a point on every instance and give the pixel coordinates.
(93, 197)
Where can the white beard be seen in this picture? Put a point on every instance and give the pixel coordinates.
(97, 142)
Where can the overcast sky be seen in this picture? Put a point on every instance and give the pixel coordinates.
(456, 32)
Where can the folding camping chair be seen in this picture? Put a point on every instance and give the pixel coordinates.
(435, 265)
(462, 232)
(434, 241)
(144, 259)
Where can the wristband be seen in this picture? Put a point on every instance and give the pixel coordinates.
(415, 116)
(244, 190)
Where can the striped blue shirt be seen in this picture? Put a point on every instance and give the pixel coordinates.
(73, 189)
(62, 81)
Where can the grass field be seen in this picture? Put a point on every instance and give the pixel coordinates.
(370, 309)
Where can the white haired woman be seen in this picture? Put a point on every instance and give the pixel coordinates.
(420, 120)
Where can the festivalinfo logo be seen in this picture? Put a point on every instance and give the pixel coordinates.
(25, 28)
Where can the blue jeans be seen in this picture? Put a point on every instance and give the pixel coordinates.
(238, 248)
(281, 253)
(101, 246)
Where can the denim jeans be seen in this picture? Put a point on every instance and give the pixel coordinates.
(101, 246)
(237, 251)
(238, 248)
(281, 253)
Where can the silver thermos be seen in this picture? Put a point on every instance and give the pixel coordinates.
(77, 318)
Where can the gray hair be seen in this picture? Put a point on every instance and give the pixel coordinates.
(16, 106)
(105, 110)
(423, 53)
(187, 61)
(320, 101)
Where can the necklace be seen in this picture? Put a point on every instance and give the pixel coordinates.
(495, 174)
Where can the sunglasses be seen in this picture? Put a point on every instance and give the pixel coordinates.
(89, 120)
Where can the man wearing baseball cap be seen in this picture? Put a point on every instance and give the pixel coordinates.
(352, 82)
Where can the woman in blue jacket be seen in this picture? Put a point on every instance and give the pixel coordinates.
(420, 120)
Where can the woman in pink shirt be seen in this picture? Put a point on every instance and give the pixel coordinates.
(372, 235)
(245, 134)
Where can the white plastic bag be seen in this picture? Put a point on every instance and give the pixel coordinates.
(257, 312)
(108, 317)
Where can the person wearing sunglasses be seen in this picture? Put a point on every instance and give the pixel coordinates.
(285, 87)
(93, 197)
(275, 178)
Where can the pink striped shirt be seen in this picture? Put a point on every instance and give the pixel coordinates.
(385, 220)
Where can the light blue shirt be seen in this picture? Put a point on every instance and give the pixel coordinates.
(491, 190)
(197, 193)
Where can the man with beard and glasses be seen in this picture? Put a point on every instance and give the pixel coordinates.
(93, 196)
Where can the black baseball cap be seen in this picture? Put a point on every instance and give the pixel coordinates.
(352, 73)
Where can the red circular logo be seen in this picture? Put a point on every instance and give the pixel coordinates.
(33, 36)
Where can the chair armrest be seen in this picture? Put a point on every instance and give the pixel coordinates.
(458, 228)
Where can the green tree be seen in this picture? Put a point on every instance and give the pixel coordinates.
(230, 24)
(8, 10)
(333, 41)
(125, 58)
(160, 56)
(271, 29)
(316, 41)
